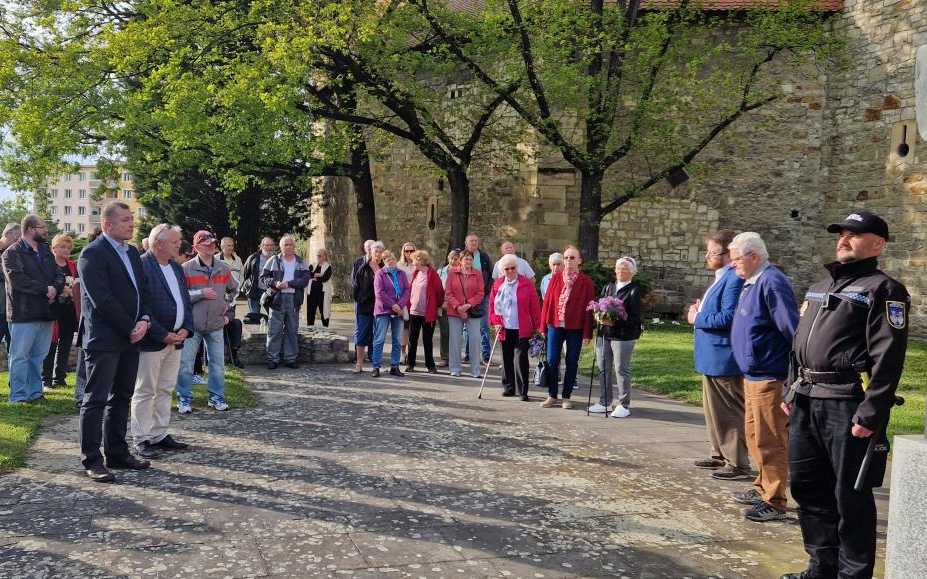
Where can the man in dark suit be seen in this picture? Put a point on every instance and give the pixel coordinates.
(115, 318)
(159, 360)
(722, 382)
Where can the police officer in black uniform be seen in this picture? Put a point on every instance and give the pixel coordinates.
(847, 359)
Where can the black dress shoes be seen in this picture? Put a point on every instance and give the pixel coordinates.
(129, 462)
(394, 371)
(807, 574)
(168, 443)
(508, 393)
(375, 373)
(100, 474)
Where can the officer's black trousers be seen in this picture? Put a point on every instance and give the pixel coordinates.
(838, 524)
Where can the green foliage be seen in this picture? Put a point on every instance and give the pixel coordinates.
(13, 210)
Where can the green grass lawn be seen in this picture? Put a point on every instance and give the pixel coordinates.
(662, 364)
(20, 422)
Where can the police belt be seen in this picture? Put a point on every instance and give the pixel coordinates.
(842, 377)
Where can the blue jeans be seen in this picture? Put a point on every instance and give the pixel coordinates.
(381, 324)
(29, 346)
(254, 305)
(215, 352)
(484, 328)
(363, 329)
(574, 343)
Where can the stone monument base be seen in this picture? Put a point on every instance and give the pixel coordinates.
(906, 556)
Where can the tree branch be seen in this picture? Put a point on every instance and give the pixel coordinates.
(528, 57)
(744, 107)
(550, 132)
(467, 150)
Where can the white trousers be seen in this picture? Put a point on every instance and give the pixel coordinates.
(154, 387)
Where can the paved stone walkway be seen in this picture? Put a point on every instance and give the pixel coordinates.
(337, 474)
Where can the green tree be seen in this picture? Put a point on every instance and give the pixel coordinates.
(621, 91)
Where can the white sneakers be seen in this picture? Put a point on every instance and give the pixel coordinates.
(184, 408)
(620, 412)
(597, 409)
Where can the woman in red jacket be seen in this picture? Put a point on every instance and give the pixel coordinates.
(564, 318)
(427, 296)
(66, 310)
(515, 313)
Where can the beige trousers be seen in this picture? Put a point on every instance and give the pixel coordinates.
(154, 386)
(767, 430)
(723, 401)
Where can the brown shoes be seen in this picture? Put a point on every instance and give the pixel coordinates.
(549, 403)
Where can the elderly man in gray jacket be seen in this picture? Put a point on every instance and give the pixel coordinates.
(285, 277)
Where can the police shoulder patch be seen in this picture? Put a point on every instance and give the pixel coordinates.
(895, 311)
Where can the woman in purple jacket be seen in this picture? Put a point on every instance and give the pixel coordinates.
(391, 290)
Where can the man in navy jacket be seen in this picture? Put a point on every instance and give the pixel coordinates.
(722, 382)
(115, 317)
(159, 360)
(761, 336)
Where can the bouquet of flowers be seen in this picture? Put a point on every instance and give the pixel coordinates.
(537, 346)
(607, 310)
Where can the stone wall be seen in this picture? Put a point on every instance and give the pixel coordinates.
(868, 105)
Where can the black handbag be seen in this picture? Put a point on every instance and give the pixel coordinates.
(474, 311)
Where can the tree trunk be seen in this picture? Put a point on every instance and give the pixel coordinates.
(363, 187)
(249, 222)
(459, 185)
(590, 215)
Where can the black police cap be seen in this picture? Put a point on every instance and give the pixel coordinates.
(861, 222)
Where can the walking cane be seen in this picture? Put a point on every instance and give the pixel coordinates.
(488, 364)
(592, 374)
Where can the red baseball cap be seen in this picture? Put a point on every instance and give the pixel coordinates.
(203, 236)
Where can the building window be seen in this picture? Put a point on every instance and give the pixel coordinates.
(83, 194)
(67, 193)
(80, 227)
(54, 193)
(67, 209)
(142, 212)
(81, 210)
(54, 210)
(126, 194)
(67, 227)
(81, 176)
(126, 177)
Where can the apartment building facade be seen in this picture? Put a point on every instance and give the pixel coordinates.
(74, 204)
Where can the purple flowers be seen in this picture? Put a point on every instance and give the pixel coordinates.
(537, 345)
(607, 310)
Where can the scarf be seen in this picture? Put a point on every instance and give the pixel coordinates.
(394, 275)
(568, 280)
(505, 297)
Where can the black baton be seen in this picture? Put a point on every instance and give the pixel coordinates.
(870, 450)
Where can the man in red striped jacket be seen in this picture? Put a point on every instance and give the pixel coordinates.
(212, 291)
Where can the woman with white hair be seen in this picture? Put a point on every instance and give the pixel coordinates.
(515, 313)
(555, 261)
(617, 340)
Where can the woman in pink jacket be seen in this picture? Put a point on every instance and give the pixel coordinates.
(515, 313)
(464, 294)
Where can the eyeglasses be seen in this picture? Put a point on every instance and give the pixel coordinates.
(511, 268)
(715, 253)
(408, 250)
(570, 257)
